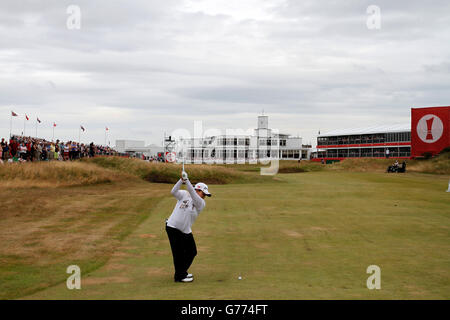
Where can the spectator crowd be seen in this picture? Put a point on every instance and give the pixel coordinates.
(21, 149)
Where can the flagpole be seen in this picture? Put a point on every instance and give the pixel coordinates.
(53, 137)
(10, 125)
(24, 119)
(79, 134)
(36, 127)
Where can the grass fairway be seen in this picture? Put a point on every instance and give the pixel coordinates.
(44, 230)
(301, 236)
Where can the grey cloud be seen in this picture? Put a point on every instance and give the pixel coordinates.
(145, 67)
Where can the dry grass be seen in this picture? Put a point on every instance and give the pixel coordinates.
(55, 174)
(363, 165)
(170, 173)
(437, 165)
(44, 230)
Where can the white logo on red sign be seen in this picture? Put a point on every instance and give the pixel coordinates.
(170, 157)
(430, 128)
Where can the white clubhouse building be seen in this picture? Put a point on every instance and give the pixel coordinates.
(264, 145)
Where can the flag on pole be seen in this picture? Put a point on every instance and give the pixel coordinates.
(106, 131)
(37, 121)
(53, 129)
(27, 117)
(82, 128)
(14, 114)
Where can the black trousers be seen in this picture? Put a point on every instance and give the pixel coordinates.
(184, 251)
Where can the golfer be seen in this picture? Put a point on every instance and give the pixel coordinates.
(178, 227)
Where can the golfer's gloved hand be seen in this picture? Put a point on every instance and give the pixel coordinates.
(184, 176)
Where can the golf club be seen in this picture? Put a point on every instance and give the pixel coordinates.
(183, 173)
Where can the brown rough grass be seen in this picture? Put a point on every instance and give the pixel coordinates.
(45, 227)
(437, 165)
(170, 173)
(55, 174)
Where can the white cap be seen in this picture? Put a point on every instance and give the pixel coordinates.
(203, 187)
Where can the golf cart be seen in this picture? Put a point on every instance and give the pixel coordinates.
(396, 168)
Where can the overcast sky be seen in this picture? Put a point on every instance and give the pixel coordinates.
(147, 67)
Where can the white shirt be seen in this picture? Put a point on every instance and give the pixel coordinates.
(187, 209)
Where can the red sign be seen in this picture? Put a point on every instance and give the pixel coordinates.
(430, 130)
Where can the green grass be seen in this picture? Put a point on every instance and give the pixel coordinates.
(309, 235)
(285, 166)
